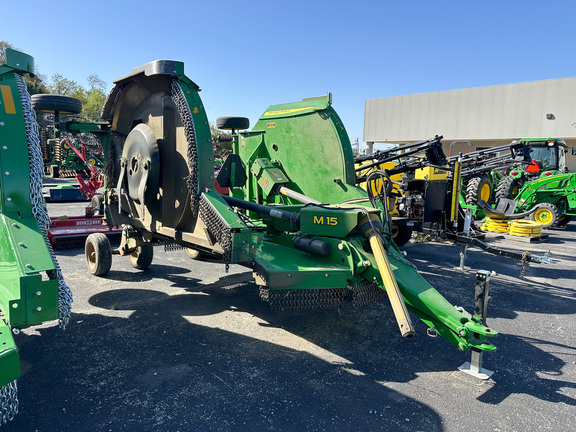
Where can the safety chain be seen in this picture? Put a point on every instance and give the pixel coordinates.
(199, 205)
(188, 123)
(171, 246)
(298, 299)
(523, 262)
(8, 402)
(365, 292)
(217, 227)
(37, 199)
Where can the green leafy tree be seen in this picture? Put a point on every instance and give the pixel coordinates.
(94, 98)
(36, 83)
(221, 148)
(3, 46)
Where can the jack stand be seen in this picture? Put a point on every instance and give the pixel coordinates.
(463, 250)
(474, 366)
(464, 247)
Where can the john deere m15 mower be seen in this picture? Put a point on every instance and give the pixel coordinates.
(294, 215)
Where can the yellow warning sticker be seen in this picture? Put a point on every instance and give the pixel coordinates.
(286, 111)
(271, 125)
(8, 100)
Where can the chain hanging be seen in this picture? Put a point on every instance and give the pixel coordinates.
(199, 205)
(8, 402)
(37, 199)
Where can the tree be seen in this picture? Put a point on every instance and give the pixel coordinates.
(3, 46)
(62, 86)
(35, 83)
(222, 148)
(94, 98)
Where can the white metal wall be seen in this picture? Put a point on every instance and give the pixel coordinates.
(487, 116)
(499, 112)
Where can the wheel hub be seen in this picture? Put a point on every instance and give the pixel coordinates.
(142, 159)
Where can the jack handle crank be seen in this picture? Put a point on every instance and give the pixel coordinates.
(371, 230)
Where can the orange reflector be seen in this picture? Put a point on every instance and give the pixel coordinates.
(533, 167)
(8, 99)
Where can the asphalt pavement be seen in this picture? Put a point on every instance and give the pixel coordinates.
(185, 346)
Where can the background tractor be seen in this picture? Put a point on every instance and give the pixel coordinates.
(551, 198)
(547, 158)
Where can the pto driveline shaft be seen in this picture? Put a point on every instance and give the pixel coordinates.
(292, 217)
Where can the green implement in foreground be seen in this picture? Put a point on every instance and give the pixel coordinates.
(31, 287)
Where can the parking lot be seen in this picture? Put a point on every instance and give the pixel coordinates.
(185, 346)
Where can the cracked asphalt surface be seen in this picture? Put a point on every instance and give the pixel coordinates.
(185, 346)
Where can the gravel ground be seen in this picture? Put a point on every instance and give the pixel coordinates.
(185, 346)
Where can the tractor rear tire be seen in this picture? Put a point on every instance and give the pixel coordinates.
(401, 235)
(237, 123)
(53, 103)
(98, 254)
(479, 188)
(142, 257)
(507, 188)
(546, 214)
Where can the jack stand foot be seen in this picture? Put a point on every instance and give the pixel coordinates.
(474, 366)
(464, 248)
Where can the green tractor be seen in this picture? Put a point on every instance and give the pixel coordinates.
(547, 158)
(552, 199)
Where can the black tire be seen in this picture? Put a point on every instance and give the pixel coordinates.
(236, 123)
(546, 214)
(479, 188)
(508, 187)
(53, 103)
(564, 220)
(401, 235)
(97, 203)
(98, 254)
(142, 257)
(193, 253)
(55, 171)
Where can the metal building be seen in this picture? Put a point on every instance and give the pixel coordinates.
(487, 116)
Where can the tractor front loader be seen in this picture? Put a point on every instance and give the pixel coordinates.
(552, 199)
(294, 214)
(32, 289)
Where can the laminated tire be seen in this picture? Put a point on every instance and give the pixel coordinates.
(193, 253)
(98, 254)
(236, 123)
(53, 103)
(142, 257)
(401, 235)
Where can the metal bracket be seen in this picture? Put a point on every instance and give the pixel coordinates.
(474, 366)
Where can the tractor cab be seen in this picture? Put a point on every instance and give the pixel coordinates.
(548, 157)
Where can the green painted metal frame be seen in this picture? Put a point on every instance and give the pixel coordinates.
(27, 297)
(559, 190)
(309, 143)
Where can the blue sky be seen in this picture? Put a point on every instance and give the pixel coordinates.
(247, 55)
